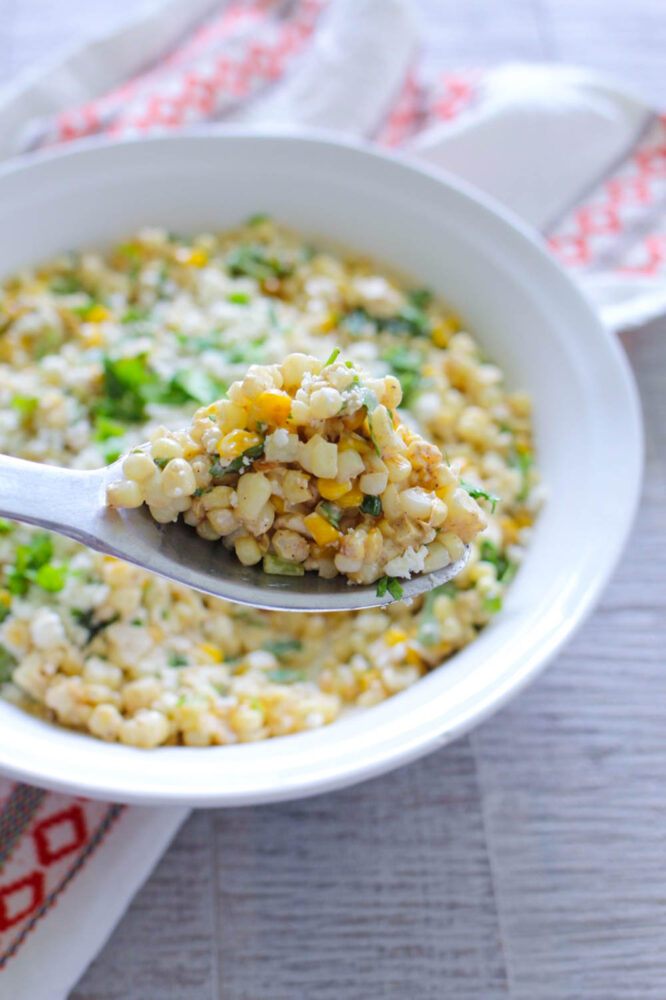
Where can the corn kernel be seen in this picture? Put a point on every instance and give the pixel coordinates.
(353, 498)
(394, 635)
(441, 333)
(321, 530)
(236, 442)
(213, 653)
(97, 314)
(5, 598)
(331, 490)
(412, 657)
(197, 258)
(328, 323)
(273, 407)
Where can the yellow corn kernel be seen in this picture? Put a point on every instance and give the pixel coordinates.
(329, 322)
(394, 635)
(97, 314)
(353, 498)
(236, 442)
(197, 258)
(321, 530)
(5, 598)
(279, 504)
(330, 490)
(156, 633)
(273, 407)
(91, 336)
(441, 332)
(412, 657)
(523, 519)
(213, 653)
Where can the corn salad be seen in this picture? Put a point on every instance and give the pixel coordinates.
(306, 466)
(100, 352)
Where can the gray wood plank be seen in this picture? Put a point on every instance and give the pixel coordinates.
(572, 774)
(162, 949)
(380, 891)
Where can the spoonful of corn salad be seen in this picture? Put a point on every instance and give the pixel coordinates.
(301, 490)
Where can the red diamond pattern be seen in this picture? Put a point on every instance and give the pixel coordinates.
(34, 884)
(48, 834)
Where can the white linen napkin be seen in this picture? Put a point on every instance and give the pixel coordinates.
(578, 158)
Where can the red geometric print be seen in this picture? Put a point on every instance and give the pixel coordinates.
(48, 835)
(571, 250)
(598, 220)
(32, 884)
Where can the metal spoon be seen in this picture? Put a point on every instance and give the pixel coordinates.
(73, 503)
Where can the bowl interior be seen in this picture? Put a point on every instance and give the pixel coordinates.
(526, 314)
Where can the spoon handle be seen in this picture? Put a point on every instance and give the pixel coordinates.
(61, 500)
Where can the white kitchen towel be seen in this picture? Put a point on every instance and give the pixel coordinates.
(578, 158)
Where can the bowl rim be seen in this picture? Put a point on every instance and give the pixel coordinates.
(321, 775)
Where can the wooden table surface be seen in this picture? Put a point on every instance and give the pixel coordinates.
(526, 861)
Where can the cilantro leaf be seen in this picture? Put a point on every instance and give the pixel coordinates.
(372, 505)
(480, 494)
(238, 464)
(332, 356)
(283, 647)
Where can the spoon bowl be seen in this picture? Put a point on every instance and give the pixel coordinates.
(73, 503)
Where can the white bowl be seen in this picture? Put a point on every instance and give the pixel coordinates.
(528, 316)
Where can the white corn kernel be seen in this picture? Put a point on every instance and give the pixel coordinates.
(148, 728)
(247, 550)
(320, 457)
(325, 403)
(165, 447)
(126, 493)
(374, 483)
(178, 479)
(416, 502)
(253, 491)
(138, 466)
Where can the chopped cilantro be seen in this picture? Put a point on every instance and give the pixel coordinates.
(420, 297)
(409, 321)
(6, 526)
(372, 505)
(106, 428)
(176, 660)
(256, 220)
(505, 569)
(65, 284)
(198, 385)
(286, 675)
(406, 366)
(134, 315)
(479, 494)
(332, 513)
(523, 461)
(7, 664)
(239, 298)
(492, 604)
(88, 621)
(390, 584)
(26, 406)
(51, 578)
(429, 633)
(258, 262)
(332, 357)
(161, 463)
(283, 647)
(281, 567)
(238, 464)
